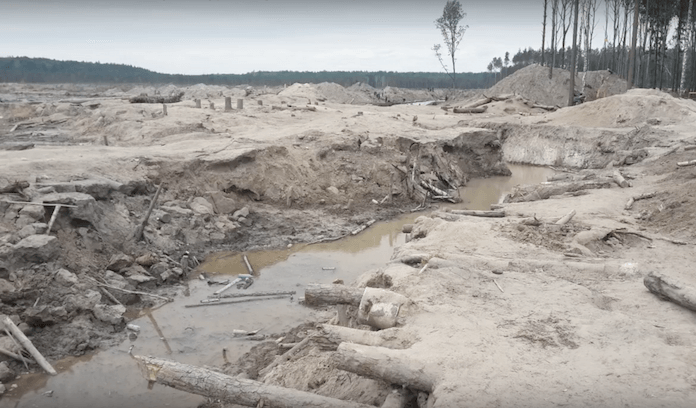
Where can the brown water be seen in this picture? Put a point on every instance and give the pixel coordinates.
(197, 336)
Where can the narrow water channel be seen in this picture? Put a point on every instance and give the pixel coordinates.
(197, 336)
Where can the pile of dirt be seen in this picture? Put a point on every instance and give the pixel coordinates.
(633, 108)
(533, 83)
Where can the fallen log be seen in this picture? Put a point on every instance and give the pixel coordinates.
(363, 227)
(27, 344)
(481, 109)
(544, 191)
(644, 196)
(286, 356)
(480, 102)
(618, 178)
(329, 294)
(566, 218)
(671, 289)
(16, 356)
(380, 363)
(17, 146)
(545, 107)
(437, 193)
(686, 163)
(243, 392)
(476, 213)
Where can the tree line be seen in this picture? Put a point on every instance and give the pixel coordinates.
(43, 70)
(665, 53)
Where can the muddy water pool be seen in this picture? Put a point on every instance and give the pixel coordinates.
(110, 378)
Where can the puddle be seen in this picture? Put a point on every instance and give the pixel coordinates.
(197, 335)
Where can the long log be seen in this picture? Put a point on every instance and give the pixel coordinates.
(286, 356)
(243, 392)
(382, 338)
(139, 231)
(481, 109)
(329, 294)
(544, 191)
(476, 213)
(27, 344)
(257, 294)
(545, 107)
(671, 289)
(380, 363)
(686, 163)
(643, 196)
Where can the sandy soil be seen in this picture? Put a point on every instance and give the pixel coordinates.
(501, 303)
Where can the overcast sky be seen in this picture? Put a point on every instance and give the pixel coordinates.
(239, 36)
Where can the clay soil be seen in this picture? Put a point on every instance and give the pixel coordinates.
(508, 312)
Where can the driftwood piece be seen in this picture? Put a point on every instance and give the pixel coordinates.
(363, 227)
(687, 148)
(26, 343)
(53, 219)
(566, 218)
(671, 289)
(39, 203)
(16, 146)
(134, 292)
(633, 199)
(248, 265)
(16, 356)
(476, 213)
(480, 109)
(380, 363)
(257, 294)
(215, 302)
(618, 178)
(437, 193)
(686, 163)
(329, 294)
(139, 231)
(156, 99)
(545, 107)
(243, 392)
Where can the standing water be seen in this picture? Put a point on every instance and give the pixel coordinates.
(197, 336)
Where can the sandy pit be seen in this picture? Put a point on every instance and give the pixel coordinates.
(513, 310)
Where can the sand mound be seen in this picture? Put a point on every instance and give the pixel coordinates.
(633, 108)
(533, 83)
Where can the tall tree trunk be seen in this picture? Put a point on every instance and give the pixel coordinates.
(543, 35)
(634, 37)
(571, 90)
(586, 61)
(603, 59)
(682, 85)
(554, 9)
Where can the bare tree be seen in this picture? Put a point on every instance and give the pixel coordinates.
(574, 53)
(452, 33)
(543, 34)
(554, 37)
(682, 85)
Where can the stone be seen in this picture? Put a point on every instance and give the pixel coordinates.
(165, 275)
(148, 259)
(201, 206)
(66, 278)
(158, 268)
(40, 227)
(333, 190)
(3, 390)
(222, 204)
(35, 212)
(244, 212)
(6, 373)
(25, 328)
(176, 210)
(37, 248)
(86, 205)
(115, 280)
(178, 271)
(23, 221)
(217, 236)
(119, 262)
(134, 269)
(112, 314)
(246, 222)
(41, 315)
(136, 279)
(6, 287)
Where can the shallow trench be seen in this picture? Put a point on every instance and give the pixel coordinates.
(197, 335)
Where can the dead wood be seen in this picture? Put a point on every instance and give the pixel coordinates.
(545, 107)
(216, 301)
(668, 288)
(286, 356)
(380, 363)
(340, 334)
(139, 231)
(257, 294)
(566, 218)
(398, 398)
(476, 213)
(480, 102)
(156, 99)
(544, 191)
(644, 196)
(481, 109)
(16, 146)
(686, 163)
(618, 178)
(243, 392)
(329, 294)
(27, 344)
